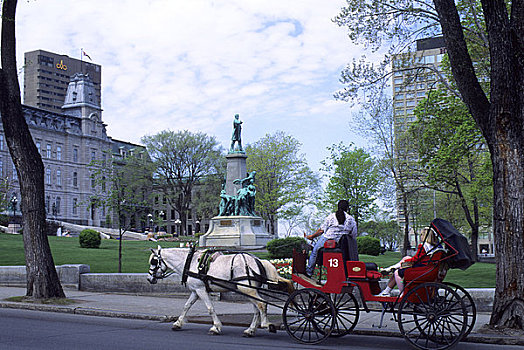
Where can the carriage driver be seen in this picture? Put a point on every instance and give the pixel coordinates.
(335, 225)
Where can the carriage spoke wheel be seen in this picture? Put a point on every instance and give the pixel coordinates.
(308, 316)
(469, 303)
(432, 316)
(347, 313)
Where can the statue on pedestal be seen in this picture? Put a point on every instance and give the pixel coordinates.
(236, 137)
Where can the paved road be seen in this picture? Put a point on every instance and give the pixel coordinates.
(26, 329)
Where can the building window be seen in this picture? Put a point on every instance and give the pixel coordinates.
(75, 179)
(398, 80)
(75, 155)
(92, 181)
(39, 147)
(93, 155)
(48, 150)
(58, 200)
(1, 168)
(1, 142)
(47, 203)
(15, 175)
(59, 152)
(59, 177)
(75, 206)
(48, 176)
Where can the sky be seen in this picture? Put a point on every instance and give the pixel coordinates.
(194, 64)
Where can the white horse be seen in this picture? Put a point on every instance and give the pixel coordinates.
(239, 268)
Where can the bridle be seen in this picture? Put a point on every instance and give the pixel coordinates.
(158, 268)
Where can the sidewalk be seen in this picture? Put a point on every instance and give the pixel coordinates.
(166, 308)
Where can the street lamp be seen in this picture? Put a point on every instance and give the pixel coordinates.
(150, 217)
(177, 223)
(197, 226)
(161, 218)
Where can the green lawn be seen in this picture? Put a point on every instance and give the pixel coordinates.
(66, 250)
(136, 253)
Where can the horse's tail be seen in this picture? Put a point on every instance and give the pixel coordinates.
(272, 275)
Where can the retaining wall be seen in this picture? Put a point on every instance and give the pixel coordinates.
(79, 277)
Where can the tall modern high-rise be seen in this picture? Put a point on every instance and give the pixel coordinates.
(414, 75)
(47, 76)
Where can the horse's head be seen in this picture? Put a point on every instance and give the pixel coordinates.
(157, 266)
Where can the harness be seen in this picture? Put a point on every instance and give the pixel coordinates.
(185, 272)
(204, 262)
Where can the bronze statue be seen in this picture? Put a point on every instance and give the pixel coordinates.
(236, 137)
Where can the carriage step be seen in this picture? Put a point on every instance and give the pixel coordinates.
(309, 280)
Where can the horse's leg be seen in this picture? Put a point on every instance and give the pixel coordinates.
(260, 314)
(182, 318)
(250, 331)
(217, 325)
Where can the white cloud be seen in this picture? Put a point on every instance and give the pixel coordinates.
(194, 64)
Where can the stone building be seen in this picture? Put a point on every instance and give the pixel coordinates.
(68, 142)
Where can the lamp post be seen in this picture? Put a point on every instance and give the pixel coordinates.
(150, 217)
(177, 223)
(161, 217)
(197, 226)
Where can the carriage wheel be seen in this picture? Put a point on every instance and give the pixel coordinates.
(308, 315)
(469, 303)
(347, 313)
(432, 316)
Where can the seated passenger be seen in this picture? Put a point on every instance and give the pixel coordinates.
(335, 225)
(421, 257)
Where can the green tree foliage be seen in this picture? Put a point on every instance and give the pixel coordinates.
(281, 248)
(497, 25)
(386, 230)
(368, 245)
(354, 176)
(392, 145)
(182, 159)
(89, 239)
(284, 181)
(454, 157)
(124, 188)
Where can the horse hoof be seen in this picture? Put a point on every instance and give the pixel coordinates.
(272, 328)
(248, 334)
(175, 328)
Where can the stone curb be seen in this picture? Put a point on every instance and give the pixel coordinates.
(233, 321)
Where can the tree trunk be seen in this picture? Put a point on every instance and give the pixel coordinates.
(406, 244)
(42, 278)
(501, 120)
(508, 211)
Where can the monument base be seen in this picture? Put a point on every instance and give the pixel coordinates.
(14, 229)
(239, 232)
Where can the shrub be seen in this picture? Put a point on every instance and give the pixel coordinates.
(4, 220)
(368, 245)
(283, 247)
(89, 239)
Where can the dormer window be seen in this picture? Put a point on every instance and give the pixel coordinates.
(74, 95)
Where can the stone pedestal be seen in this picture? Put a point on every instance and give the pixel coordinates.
(239, 232)
(236, 169)
(14, 228)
